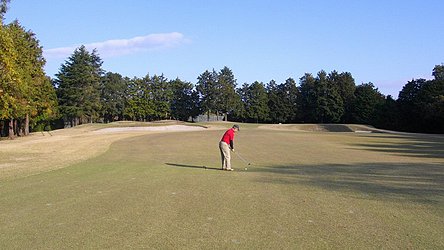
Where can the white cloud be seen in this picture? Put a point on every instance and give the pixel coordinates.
(121, 47)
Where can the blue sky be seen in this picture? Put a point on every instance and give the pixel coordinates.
(384, 42)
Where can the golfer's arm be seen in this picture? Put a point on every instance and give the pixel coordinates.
(231, 144)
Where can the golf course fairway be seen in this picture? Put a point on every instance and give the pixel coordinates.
(303, 190)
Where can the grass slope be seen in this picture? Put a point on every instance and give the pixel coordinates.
(304, 190)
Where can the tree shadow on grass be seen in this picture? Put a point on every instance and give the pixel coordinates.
(414, 145)
(191, 166)
(422, 183)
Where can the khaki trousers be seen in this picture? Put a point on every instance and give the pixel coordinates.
(225, 155)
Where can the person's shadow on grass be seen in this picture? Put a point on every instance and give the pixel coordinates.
(191, 166)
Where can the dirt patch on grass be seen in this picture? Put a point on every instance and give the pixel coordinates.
(42, 152)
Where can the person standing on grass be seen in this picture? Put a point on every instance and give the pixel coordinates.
(226, 145)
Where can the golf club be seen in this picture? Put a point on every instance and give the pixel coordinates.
(243, 159)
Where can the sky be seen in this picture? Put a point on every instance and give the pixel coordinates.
(386, 42)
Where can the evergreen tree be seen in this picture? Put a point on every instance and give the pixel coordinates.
(329, 106)
(256, 102)
(308, 98)
(185, 101)
(366, 104)
(388, 115)
(226, 95)
(410, 111)
(207, 89)
(290, 95)
(283, 101)
(112, 89)
(320, 99)
(345, 85)
(421, 104)
(139, 104)
(78, 87)
(275, 103)
(161, 94)
(239, 112)
(437, 100)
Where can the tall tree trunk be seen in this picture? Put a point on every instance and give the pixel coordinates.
(21, 128)
(2, 124)
(26, 125)
(11, 129)
(17, 127)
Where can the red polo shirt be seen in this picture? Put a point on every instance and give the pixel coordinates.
(228, 137)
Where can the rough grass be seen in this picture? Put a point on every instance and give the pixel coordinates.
(303, 190)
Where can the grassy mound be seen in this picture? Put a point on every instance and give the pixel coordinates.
(322, 127)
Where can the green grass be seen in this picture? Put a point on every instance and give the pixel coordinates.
(304, 190)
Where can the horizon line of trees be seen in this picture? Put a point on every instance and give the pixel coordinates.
(82, 92)
(86, 93)
(27, 97)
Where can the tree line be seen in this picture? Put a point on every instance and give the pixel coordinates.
(83, 92)
(86, 93)
(27, 97)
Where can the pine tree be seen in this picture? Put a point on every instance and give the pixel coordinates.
(345, 85)
(283, 101)
(308, 98)
(184, 103)
(290, 95)
(78, 87)
(275, 103)
(421, 104)
(256, 102)
(112, 89)
(226, 95)
(139, 104)
(320, 100)
(161, 94)
(207, 90)
(410, 110)
(366, 104)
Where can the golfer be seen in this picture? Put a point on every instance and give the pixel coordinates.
(225, 145)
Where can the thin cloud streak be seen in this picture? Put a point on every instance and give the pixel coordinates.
(120, 47)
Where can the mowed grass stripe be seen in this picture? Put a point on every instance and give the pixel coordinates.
(303, 190)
